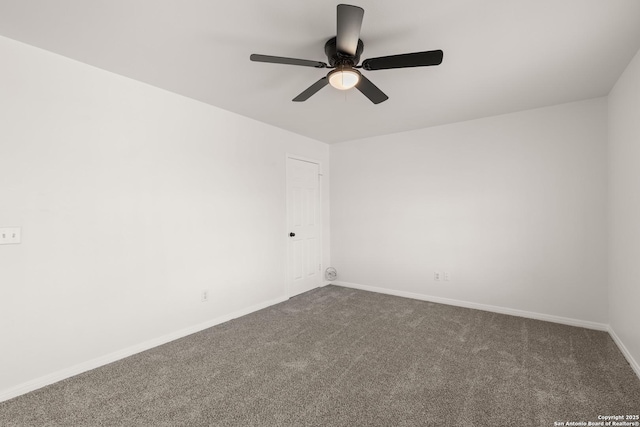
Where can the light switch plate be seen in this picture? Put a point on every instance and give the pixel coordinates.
(10, 235)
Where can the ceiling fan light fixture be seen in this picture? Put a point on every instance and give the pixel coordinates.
(344, 78)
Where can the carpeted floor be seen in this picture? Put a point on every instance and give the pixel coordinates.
(342, 357)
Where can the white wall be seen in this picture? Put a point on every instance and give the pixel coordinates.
(513, 206)
(131, 200)
(624, 213)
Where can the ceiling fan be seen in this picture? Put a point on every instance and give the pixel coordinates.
(343, 53)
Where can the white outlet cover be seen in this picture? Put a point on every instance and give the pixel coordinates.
(10, 235)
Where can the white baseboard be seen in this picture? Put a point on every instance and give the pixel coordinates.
(485, 307)
(634, 364)
(126, 352)
(129, 351)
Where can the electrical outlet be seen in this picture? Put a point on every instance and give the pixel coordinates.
(10, 235)
(204, 296)
(447, 276)
(437, 275)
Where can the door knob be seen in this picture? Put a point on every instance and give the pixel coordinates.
(292, 234)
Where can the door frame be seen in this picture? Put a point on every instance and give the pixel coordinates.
(288, 290)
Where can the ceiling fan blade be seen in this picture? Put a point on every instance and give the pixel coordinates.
(371, 91)
(417, 59)
(311, 90)
(349, 24)
(289, 61)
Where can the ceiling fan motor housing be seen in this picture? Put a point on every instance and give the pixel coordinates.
(337, 59)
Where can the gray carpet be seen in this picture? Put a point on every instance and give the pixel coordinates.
(343, 357)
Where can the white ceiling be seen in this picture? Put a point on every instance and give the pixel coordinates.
(500, 56)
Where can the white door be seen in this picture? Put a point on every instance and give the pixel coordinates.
(303, 214)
